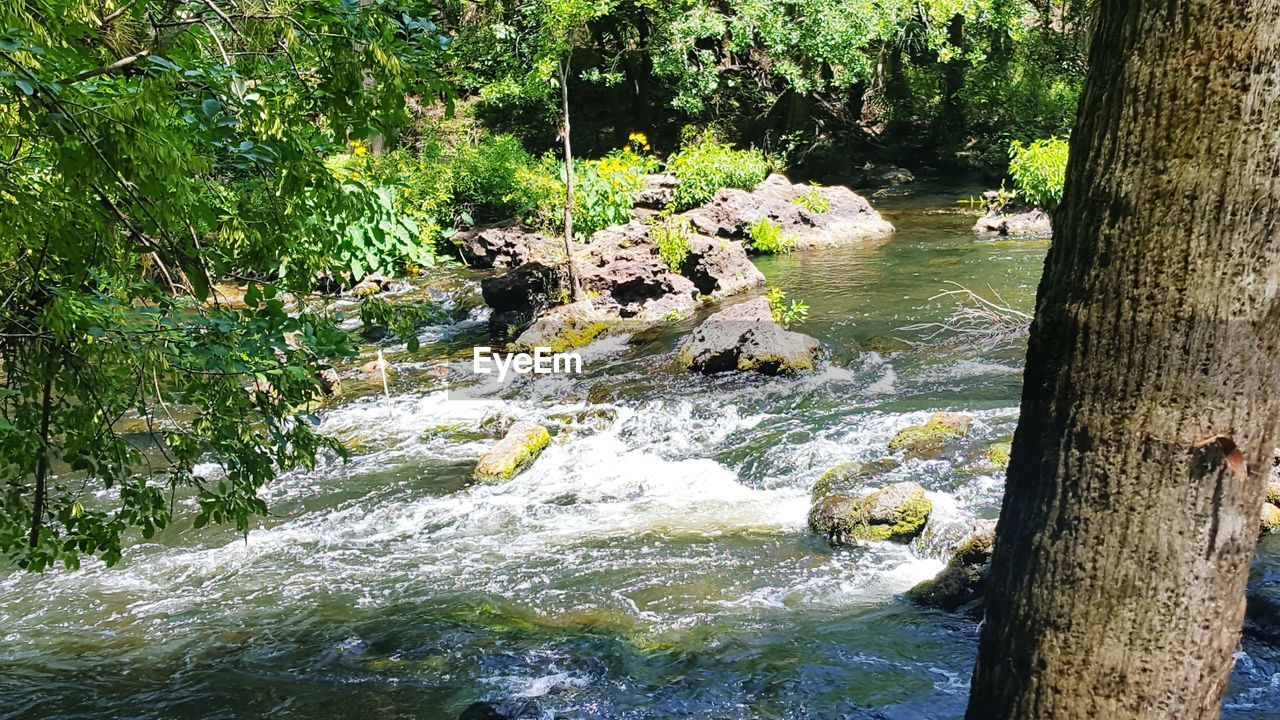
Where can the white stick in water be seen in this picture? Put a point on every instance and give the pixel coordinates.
(382, 368)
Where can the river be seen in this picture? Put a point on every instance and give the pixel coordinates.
(654, 565)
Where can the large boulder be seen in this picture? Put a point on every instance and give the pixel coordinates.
(506, 246)
(847, 219)
(745, 337)
(929, 439)
(621, 267)
(625, 286)
(897, 512)
(1008, 217)
(517, 295)
(720, 268)
(964, 578)
(522, 444)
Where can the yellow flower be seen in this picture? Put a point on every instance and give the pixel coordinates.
(358, 147)
(355, 176)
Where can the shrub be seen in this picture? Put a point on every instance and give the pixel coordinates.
(494, 178)
(706, 167)
(786, 313)
(672, 236)
(381, 240)
(424, 187)
(1039, 170)
(767, 237)
(814, 201)
(604, 190)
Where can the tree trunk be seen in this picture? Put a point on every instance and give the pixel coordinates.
(952, 116)
(574, 286)
(1149, 410)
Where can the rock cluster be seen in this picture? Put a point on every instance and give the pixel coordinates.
(626, 285)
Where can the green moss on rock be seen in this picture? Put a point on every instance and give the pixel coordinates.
(1270, 518)
(963, 580)
(998, 454)
(848, 478)
(1273, 493)
(930, 438)
(897, 512)
(514, 452)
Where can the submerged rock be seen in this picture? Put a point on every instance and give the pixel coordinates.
(1011, 218)
(929, 439)
(746, 338)
(964, 578)
(847, 219)
(996, 456)
(514, 452)
(897, 512)
(481, 711)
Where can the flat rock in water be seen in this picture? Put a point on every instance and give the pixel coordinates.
(848, 219)
(514, 452)
(746, 338)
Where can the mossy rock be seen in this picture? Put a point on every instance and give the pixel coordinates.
(964, 578)
(997, 455)
(514, 452)
(1273, 493)
(1270, 518)
(848, 478)
(897, 512)
(929, 439)
(567, 327)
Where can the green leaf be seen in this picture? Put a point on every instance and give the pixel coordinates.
(210, 107)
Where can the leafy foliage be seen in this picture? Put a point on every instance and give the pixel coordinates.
(149, 148)
(672, 234)
(1039, 170)
(706, 167)
(605, 190)
(786, 313)
(814, 201)
(768, 237)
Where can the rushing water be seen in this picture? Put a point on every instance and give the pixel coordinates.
(655, 565)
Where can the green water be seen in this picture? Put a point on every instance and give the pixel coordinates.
(656, 568)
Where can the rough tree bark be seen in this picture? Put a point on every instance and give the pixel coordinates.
(574, 286)
(1150, 405)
